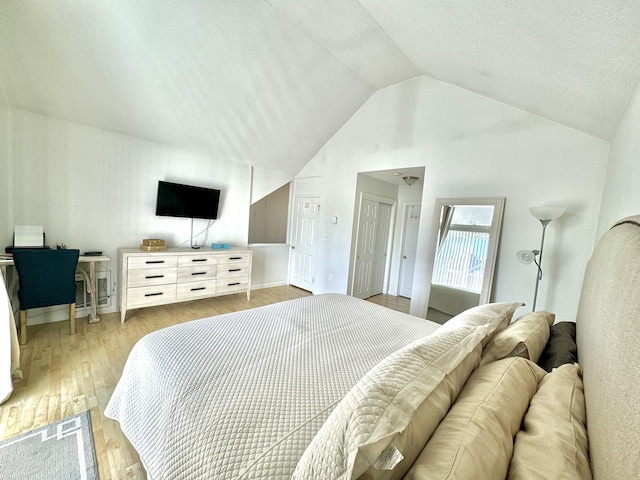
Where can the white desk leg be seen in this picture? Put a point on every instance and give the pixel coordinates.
(93, 318)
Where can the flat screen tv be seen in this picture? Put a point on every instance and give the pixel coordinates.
(177, 200)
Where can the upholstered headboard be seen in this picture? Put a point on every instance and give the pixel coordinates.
(608, 336)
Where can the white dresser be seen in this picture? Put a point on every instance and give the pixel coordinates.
(180, 274)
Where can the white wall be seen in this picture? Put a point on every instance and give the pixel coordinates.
(620, 196)
(6, 166)
(470, 146)
(270, 265)
(95, 190)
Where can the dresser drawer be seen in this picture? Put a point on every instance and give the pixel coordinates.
(146, 296)
(151, 276)
(152, 261)
(229, 285)
(233, 270)
(191, 260)
(205, 288)
(226, 258)
(196, 273)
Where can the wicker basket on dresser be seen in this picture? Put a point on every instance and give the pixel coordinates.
(180, 274)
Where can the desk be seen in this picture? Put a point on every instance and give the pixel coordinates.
(91, 260)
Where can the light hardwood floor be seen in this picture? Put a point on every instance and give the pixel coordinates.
(65, 374)
(399, 304)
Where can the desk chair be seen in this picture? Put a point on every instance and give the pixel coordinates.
(45, 278)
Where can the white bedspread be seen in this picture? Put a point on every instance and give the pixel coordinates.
(241, 395)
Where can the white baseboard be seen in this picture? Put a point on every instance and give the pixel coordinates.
(60, 313)
(268, 285)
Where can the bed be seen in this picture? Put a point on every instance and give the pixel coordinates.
(330, 386)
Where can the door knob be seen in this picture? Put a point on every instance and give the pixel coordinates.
(293, 247)
(404, 256)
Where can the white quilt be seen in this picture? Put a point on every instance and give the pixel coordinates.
(241, 395)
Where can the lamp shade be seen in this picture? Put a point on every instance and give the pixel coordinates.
(410, 180)
(547, 213)
(527, 256)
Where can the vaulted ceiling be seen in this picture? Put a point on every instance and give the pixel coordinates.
(267, 82)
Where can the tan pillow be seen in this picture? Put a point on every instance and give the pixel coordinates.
(553, 442)
(526, 338)
(386, 410)
(475, 439)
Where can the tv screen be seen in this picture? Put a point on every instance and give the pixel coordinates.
(176, 200)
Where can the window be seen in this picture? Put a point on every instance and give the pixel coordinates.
(463, 244)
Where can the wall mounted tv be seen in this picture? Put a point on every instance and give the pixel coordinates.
(177, 200)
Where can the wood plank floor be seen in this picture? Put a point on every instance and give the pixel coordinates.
(66, 374)
(399, 304)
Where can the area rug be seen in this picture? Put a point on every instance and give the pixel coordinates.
(61, 450)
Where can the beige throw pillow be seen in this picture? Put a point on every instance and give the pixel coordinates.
(475, 439)
(526, 338)
(553, 442)
(380, 426)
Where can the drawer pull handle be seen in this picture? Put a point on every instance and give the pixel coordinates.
(154, 276)
(235, 269)
(198, 273)
(199, 288)
(154, 261)
(232, 284)
(153, 294)
(199, 259)
(235, 258)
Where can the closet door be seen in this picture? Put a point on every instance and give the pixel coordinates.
(367, 229)
(380, 249)
(303, 242)
(409, 249)
(372, 244)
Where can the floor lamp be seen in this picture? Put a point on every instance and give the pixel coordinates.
(545, 215)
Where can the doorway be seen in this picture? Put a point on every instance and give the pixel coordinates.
(399, 188)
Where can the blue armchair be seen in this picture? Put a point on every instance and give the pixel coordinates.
(45, 278)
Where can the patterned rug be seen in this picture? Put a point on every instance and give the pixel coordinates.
(61, 450)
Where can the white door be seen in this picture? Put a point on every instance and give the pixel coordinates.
(372, 245)
(366, 241)
(380, 249)
(303, 241)
(411, 222)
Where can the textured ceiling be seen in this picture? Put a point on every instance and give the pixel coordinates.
(267, 82)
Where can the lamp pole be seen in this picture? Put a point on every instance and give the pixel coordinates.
(544, 223)
(545, 215)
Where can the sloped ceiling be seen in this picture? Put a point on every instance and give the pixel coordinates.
(267, 82)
